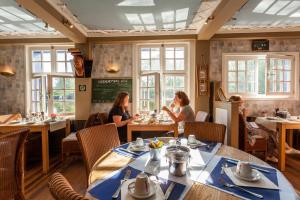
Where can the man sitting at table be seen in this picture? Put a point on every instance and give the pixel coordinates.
(185, 114)
(120, 116)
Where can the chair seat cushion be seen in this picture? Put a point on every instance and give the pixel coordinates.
(70, 144)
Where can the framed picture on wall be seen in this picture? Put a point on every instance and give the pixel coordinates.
(82, 88)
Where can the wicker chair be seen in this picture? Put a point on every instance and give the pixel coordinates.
(206, 131)
(70, 144)
(61, 189)
(12, 165)
(96, 141)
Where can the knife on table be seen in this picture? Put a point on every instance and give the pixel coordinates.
(128, 151)
(169, 190)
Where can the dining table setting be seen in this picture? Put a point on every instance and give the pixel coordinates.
(184, 168)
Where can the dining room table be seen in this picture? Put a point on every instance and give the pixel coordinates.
(285, 128)
(110, 168)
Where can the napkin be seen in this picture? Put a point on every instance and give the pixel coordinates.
(159, 195)
(132, 147)
(264, 182)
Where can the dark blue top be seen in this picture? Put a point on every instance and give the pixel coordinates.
(125, 116)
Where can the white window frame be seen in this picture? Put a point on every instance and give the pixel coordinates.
(188, 72)
(30, 75)
(294, 95)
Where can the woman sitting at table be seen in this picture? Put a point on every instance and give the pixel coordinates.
(185, 114)
(120, 116)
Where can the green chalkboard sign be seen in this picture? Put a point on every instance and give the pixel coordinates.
(106, 90)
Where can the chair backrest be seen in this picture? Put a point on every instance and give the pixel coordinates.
(95, 141)
(61, 189)
(201, 116)
(11, 164)
(96, 119)
(206, 131)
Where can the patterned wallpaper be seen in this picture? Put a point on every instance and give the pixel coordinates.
(12, 89)
(104, 55)
(217, 47)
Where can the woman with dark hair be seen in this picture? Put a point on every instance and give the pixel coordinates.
(120, 116)
(186, 113)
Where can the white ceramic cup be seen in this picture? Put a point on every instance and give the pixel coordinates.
(139, 142)
(183, 142)
(142, 184)
(244, 169)
(192, 139)
(172, 142)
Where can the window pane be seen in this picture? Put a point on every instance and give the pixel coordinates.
(231, 76)
(287, 76)
(70, 107)
(169, 52)
(58, 83)
(279, 64)
(144, 93)
(35, 84)
(241, 88)
(272, 63)
(144, 81)
(169, 81)
(286, 87)
(251, 87)
(46, 56)
(151, 105)
(69, 67)
(144, 105)
(241, 76)
(58, 107)
(279, 76)
(36, 67)
(47, 66)
(179, 64)
(261, 77)
(179, 82)
(287, 64)
(250, 75)
(251, 65)
(151, 93)
(155, 65)
(60, 67)
(58, 95)
(169, 93)
(60, 55)
(70, 95)
(169, 64)
(69, 56)
(33, 96)
(145, 53)
(232, 87)
(231, 65)
(36, 56)
(179, 52)
(145, 65)
(241, 65)
(151, 81)
(155, 53)
(70, 83)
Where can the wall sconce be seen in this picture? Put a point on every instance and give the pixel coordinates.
(7, 70)
(112, 68)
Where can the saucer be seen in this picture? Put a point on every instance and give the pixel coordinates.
(255, 175)
(152, 189)
(134, 147)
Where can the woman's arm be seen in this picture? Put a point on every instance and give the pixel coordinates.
(175, 118)
(118, 120)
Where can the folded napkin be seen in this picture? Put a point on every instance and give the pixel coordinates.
(215, 176)
(120, 151)
(264, 182)
(207, 146)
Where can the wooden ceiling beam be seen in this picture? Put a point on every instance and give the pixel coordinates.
(224, 12)
(43, 10)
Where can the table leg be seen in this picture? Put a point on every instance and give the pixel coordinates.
(290, 137)
(45, 150)
(129, 134)
(281, 150)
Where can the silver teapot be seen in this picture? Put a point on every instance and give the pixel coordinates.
(178, 157)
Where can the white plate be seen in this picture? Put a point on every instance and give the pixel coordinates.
(152, 189)
(134, 147)
(255, 176)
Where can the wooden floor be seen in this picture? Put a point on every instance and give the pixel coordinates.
(75, 173)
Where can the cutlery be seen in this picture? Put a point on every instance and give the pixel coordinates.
(126, 177)
(128, 151)
(169, 190)
(224, 165)
(257, 168)
(222, 181)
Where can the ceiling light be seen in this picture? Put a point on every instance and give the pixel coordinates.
(168, 16)
(9, 16)
(147, 18)
(151, 27)
(180, 25)
(137, 3)
(263, 6)
(18, 13)
(133, 18)
(169, 26)
(296, 14)
(278, 5)
(182, 14)
(289, 8)
(71, 25)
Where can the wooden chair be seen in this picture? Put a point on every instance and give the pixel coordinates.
(205, 131)
(61, 189)
(96, 141)
(70, 143)
(201, 116)
(12, 165)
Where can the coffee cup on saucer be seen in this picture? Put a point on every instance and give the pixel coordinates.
(142, 187)
(192, 139)
(244, 169)
(139, 142)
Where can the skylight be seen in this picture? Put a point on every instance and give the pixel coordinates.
(169, 26)
(136, 3)
(133, 18)
(290, 8)
(263, 6)
(168, 16)
(9, 16)
(180, 25)
(296, 14)
(278, 5)
(31, 27)
(147, 18)
(3, 28)
(17, 12)
(14, 28)
(182, 14)
(139, 28)
(151, 27)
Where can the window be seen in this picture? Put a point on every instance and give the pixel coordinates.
(52, 82)
(162, 70)
(265, 75)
